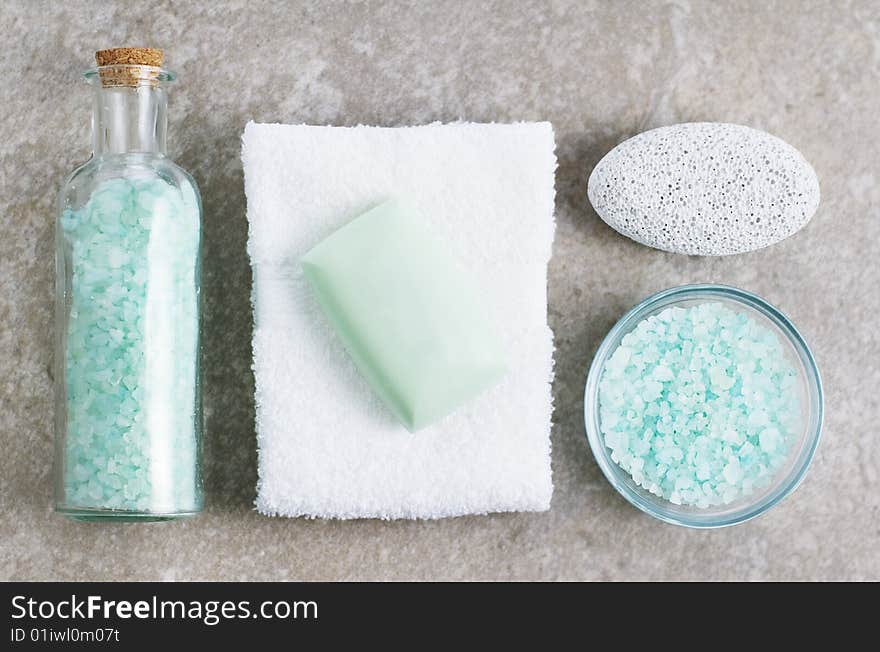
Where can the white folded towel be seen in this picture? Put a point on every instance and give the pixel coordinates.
(328, 447)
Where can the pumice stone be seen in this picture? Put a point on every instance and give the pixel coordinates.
(704, 188)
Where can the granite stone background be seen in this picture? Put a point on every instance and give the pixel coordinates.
(806, 71)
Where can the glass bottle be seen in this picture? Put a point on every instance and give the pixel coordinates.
(128, 400)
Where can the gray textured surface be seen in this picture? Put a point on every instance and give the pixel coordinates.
(807, 72)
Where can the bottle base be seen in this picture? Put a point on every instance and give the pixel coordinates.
(121, 516)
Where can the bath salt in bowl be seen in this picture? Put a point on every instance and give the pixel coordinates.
(703, 406)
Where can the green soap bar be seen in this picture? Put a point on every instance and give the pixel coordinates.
(407, 314)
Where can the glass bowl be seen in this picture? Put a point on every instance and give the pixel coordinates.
(789, 474)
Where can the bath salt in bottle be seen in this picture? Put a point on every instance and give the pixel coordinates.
(128, 403)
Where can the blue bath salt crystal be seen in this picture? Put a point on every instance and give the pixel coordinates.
(700, 405)
(131, 350)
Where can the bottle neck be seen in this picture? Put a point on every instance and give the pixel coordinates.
(129, 119)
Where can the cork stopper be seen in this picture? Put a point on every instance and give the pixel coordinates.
(130, 57)
(129, 66)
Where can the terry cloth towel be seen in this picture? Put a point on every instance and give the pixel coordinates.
(328, 446)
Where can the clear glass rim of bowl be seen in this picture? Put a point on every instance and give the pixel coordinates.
(616, 475)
